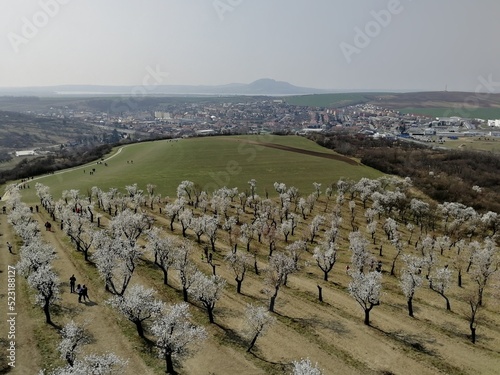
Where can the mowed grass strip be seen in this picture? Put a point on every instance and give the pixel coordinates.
(210, 162)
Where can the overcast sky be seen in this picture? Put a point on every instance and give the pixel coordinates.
(332, 44)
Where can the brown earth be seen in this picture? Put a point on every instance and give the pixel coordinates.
(330, 333)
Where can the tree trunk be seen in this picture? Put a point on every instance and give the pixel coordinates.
(165, 276)
(271, 303)
(46, 310)
(410, 306)
(169, 364)
(473, 333)
(320, 293)
(140, 329)
(460, 278)
(367, 317)
(184, 294)
(238, 285)
(210, 311)
(392, 268)
(252, 343)
(448, 307)
(325, 275)
(256, 268)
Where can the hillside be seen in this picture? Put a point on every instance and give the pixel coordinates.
(409, 235)
(21, 131)
(435, 103)
(213, 162)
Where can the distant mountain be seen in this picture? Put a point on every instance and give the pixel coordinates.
(264, 86)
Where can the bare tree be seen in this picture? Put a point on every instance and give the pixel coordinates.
(175, 334)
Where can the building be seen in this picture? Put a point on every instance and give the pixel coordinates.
(494, 123)
(25, 153)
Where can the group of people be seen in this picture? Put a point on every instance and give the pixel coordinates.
(81, 290)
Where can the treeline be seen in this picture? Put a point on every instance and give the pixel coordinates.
(54, 162)
(444, 175)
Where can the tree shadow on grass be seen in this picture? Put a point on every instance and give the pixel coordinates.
(415, 342)
(284, 367)
(150, 264)
(323, 324)
(233, 338)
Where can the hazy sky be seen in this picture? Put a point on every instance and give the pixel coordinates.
(334, 44)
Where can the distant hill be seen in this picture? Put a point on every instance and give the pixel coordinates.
(264, 86)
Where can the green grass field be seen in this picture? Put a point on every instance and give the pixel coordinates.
(483, 113)
(483, 144)
(210, 162)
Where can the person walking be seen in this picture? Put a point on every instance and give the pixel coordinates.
(79, 290)
(85, 293)
(72, 281)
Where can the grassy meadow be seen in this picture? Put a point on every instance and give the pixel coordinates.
(211, 163)
(482, 144)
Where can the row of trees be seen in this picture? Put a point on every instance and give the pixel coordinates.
(292, 226)
(459, 223)
(116, 255)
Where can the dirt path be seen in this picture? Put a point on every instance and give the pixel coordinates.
(101, 323)
(28, 357)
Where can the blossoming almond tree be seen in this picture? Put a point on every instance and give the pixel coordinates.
(137, 305)
(366, 289)
(208, 290)
(258, 320)
(176, 334)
